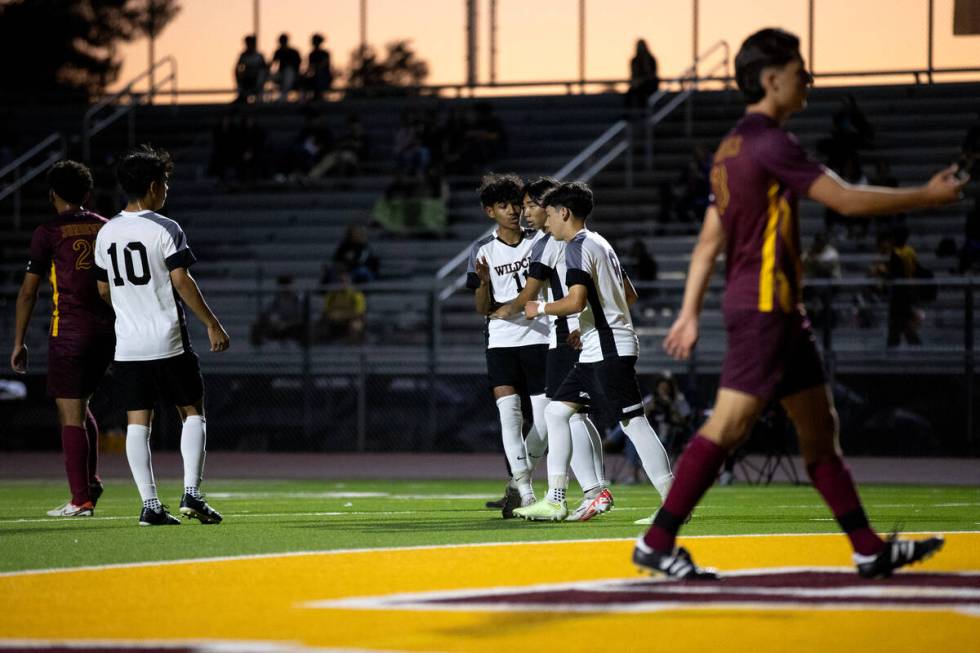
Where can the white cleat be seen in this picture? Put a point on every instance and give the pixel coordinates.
(71, 510)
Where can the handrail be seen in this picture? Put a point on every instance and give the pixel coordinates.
(20, 180)
(691, 77)
(90, 129)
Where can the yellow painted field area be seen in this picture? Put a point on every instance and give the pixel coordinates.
(267, 599)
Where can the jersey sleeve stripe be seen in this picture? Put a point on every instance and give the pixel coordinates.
(181, 259)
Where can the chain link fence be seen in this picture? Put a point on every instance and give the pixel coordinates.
(391, 367)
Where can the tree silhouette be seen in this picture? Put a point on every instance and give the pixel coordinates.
(67, 51)
(400, 73)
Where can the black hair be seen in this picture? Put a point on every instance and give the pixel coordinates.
(575, 196)
(766, 48)
(142, 167)
(501, 188)
(536, 189)
(70, 180)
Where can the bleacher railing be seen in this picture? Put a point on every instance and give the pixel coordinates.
(29, 165)
(107, 111)
(681, 94)
(418, 373)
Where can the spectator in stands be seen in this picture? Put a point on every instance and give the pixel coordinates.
(644, 264)
(900, 263)
(283, 319)
(970, 254)
(224, 146)
(484, 138)
(344, 311)
(412, 157)
(644, 80)
(250, 72)
(251, 163)
(355, 257)
(345, 157)
(670, 414)
(694, 187)
(319, 73)
(287, 61)
(821, 261)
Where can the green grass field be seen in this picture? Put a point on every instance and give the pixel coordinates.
(284, 516)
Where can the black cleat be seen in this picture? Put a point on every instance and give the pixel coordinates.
(512, 501)
(158, 517)
(95, 491)
(502, 501)
(896, 554)
(198, 508)
(676, 564)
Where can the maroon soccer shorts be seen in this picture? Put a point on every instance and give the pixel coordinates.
(76, 365)
(770, 355)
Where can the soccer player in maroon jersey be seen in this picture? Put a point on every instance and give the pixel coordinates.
(759, 173)
(81, 337)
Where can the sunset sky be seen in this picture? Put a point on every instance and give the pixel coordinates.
(538, 39)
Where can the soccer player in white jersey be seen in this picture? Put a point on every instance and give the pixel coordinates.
(142, 260)
(517, 347)
(605, 373)
(547, 276)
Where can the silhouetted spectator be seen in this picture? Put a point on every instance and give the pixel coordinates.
(820, 261)
(644, 264)
(354, 255)
(250, 72)
(319, 74)
(287, 61)
(644, 80)
(283, 318)
(344, 311)
(484, 138)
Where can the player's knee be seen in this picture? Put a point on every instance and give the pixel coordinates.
(558, 411)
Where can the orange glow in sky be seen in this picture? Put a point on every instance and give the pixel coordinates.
(538, 39)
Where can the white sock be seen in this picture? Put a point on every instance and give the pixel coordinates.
(193, 437)
(557, 486)
(597, 460)
(511, 422)
(652, 454)
(559, 438)
(537, 438)
(138, 455)
(583, 464)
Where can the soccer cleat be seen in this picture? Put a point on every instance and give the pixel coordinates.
(896, 554)
(71, 510)
(502, 501)
(676, 564)
(649, 520)
(589, 508)
(543, 510)
(157, 517)
(198, 508)
(95, 491)
(512, 499)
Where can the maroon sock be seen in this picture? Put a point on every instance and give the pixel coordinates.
(75, 446)
(833, 481)
(92, 431)
(695, 473)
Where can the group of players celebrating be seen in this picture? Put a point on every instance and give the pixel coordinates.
(759, 173)
(559, 331)
(119, 288)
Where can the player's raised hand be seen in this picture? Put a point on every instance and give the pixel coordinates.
(483, 270)
(218, 337)
(574, 339)
(681, 338)
(18, 360)
(946, 186)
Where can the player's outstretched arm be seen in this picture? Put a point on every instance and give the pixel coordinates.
(629, 290)
(684, 332)
(832, 191)
(26, 301)
(189, 291)
(532, 289)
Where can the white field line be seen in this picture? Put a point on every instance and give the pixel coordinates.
(420, 547)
